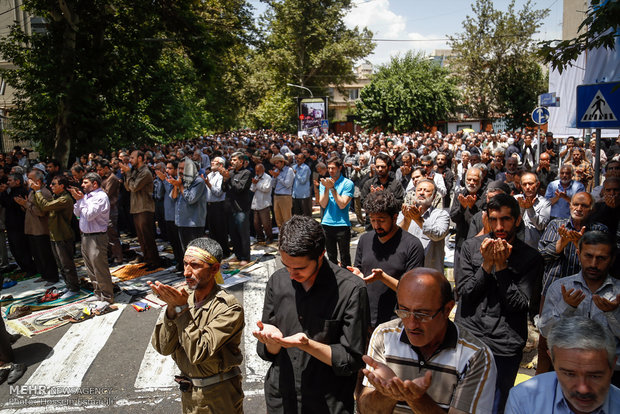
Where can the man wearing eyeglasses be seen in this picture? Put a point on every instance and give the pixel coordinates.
(422, 362)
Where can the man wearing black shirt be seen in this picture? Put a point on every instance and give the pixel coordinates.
(236, 183)
(498, 275)
(384, 254)
(313, 327)
(545, 173)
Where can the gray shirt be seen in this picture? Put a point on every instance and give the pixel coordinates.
(535, 219)
(555, 307)
(432, 235)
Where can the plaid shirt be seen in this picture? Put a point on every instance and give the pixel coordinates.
(565, 263)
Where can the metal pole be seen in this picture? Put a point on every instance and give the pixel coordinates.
(597, 158)
(301, 87)
(539, 143)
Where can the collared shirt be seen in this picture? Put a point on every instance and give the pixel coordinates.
(139, 181)
(561, 209)
(301, 185)
(93, 212)
(334, 215)
(60, 210)
(262, 192)
(535, 219)
(283, 183)
(169, 202)
(215, 193)
(432, 234)
(555, 307)
(463, 368)
(565, 263)
(191, 205)
(334, 311)
(543, 394)
(494, 306)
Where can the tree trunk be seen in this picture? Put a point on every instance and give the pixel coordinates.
(64, 129)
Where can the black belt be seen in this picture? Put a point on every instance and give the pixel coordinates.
(212, 203)
(94, 234)
(282, 195)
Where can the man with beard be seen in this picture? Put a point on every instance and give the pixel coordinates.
(139, 182)
(384, 254)
(535, 209)
(579, 163)
(560, 192)
(202, 330)
(607, 212)
(403, 173)
(189, 193)
(498, 274)
(429, 224)
(111, 184)
(92, 208)
(544, 173)
(448, 177)
(383, 179)
(528, 153)
(551, 148)
(468, 202)
(592, 292)
(236, 183)
(558, 246)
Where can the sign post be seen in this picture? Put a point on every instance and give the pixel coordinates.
(598, 106)
(540, 116)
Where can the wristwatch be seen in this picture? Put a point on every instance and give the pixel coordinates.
(179, 309)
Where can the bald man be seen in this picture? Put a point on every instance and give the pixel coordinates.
(422, 362)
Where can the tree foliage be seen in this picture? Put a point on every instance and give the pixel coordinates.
(302, 42)
(600, 28)
(493, 54)
(410, 93)
(114, 72)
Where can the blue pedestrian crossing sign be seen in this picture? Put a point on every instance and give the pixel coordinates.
(598, 105)
(540, 115)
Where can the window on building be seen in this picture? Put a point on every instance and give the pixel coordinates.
(354, 94)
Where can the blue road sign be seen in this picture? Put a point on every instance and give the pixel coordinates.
(547, 99)
(540, 115)
(598, 105)
(324, 123)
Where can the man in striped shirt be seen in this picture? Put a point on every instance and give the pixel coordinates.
(422, 362)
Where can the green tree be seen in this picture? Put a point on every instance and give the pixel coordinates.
(600, 28)
(116, 72)
(495, 47)
(410, 93)
(303, 42)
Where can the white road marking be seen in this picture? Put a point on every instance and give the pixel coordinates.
(253, 299)
(75, 352)
(156, 371)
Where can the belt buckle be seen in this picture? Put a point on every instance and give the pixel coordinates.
(185, 385)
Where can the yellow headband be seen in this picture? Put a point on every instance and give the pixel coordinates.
(205, 256)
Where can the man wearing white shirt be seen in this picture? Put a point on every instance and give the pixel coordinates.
(261, 203)
(430, 225)
(535, 209)
(217, 221)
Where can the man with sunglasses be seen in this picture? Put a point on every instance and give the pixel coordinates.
(422, 362)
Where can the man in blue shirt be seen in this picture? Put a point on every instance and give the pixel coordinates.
(583, 354)
(559, 192)
(302, 200)
(335, 194)
(283, 178)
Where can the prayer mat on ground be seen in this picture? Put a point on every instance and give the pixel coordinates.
(138, 286)
(31, 302)
(133, 271)
(46, 320)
